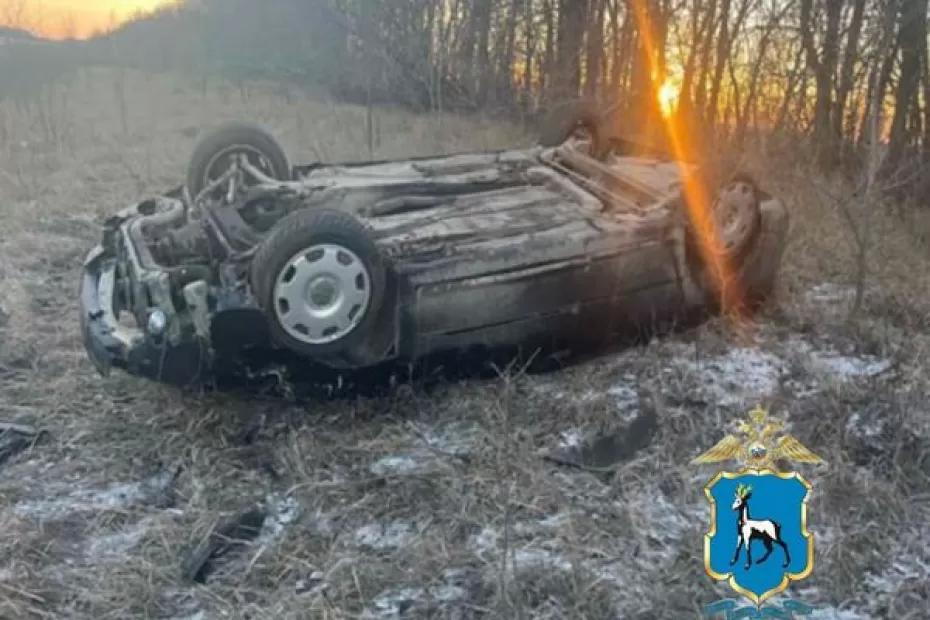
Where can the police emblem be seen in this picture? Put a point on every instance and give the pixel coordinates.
(758, 539)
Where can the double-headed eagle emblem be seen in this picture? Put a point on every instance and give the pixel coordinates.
(757, 444)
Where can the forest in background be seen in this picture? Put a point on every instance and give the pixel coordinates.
(832, 72)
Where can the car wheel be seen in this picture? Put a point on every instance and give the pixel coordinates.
(737, 216)
(321, 281)
(579, 122)
(216, 152)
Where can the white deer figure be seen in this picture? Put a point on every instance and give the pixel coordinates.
(749, 529)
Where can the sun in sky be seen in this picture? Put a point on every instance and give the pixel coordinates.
(72, 18)
(668, 97)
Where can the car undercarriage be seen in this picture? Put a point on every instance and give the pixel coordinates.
(354, 265)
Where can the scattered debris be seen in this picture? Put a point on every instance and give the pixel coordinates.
(15, 437)
(606, 451)
(222, 538)
(263, 526)
(313, 582)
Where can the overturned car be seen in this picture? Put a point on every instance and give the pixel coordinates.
(349, 266)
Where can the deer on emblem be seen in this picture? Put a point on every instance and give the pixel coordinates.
(749, 529)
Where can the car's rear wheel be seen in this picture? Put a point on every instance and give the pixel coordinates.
(578, 122)
(737, 216)
(223, 146)
(321, 280)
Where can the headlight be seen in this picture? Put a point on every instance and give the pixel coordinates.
(157, 323)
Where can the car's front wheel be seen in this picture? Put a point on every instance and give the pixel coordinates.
(321, 280)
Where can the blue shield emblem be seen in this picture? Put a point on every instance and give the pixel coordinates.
(758, 539)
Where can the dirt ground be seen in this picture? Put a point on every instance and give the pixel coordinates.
(432, 501)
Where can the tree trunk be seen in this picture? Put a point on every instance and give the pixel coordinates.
(912, 35)
(850, 56)
(505, 77)
(567, 78)
(823, 66)
(595, 53)
(485, 74)
(549, 55)
(720, 60)
(529, 26)
(700, 95)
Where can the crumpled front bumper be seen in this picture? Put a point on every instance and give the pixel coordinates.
(110, 343)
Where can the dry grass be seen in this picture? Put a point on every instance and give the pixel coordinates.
(431, 501)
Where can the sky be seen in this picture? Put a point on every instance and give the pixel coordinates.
(63, 18)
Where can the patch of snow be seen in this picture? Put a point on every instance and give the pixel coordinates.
(572, 438)
(486, 544)
(200, 615)
(739, 377)
(115, 496)
(555, 521)
(828, 361)
(183, 602)
(485, 541)
(900, 571)
(626, 399)
(538, 557)
(383, 536)
(830, 293)
(803, 388)
(311, 583)
(117, 544)
(662, 519)
(832, 613)
(394, 603)
(398, 464)
(545, 525)
(549, 389)
(281, 512)
(868, 429)
(825, 536)
(321, 523)
(617, 571)
(847, 367)
(457, 439)
(433, 445)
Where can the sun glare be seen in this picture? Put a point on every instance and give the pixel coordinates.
(697, 195)
(668, 98)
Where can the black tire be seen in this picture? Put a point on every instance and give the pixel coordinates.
(746, 232)
(227, 137)
(301, 230)
(750, 224)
